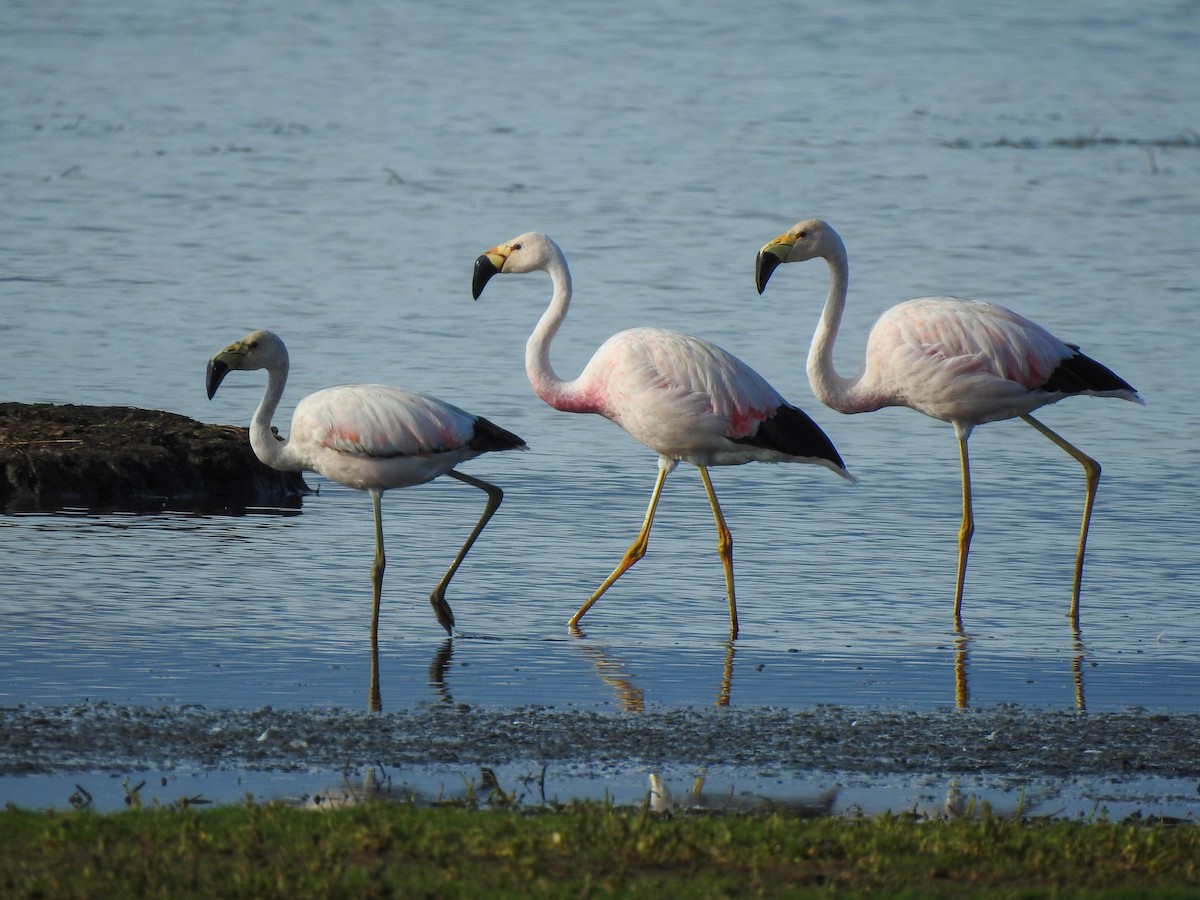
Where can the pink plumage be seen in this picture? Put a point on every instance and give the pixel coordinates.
(962, 361)
(683, 397)
(370, 437)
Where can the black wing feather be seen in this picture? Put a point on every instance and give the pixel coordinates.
(791, 431)
(1082, 373)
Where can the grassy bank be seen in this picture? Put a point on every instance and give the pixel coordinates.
(588, 850)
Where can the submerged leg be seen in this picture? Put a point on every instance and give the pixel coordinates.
(965, 531)
(1091, 470)
(437, 599)
(635, 552)
(724, 549)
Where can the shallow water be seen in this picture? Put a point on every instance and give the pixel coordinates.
(173, 177)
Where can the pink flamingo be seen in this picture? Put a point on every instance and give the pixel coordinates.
(684, 398)
(962, 361)
(369, 437)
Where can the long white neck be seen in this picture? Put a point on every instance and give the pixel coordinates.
(545, 381)
(267, 447)
(829, 387)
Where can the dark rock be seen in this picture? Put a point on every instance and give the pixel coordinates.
(117, 456)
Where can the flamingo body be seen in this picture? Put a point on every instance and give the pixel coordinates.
(964, 362)
(378, 437)
(686, 399)
(968, 362)
(369, 437)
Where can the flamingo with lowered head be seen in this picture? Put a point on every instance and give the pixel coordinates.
(684, 398)
(962, 361)
(370, 437)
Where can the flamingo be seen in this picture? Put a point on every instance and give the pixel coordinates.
(369, 437)
(965, 362)
(684, 398)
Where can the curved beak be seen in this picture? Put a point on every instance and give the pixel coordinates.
(769, 257)
(221, 365)
(487, 265)
(217, 370)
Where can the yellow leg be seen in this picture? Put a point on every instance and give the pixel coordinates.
(724, 549)
(965, 531)
(1091, 470)
(635, 552)
(437, 599)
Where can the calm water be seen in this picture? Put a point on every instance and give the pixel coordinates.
(175, 175)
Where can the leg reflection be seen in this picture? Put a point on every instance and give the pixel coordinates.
(1077, 669)
(374, 700)
(612, 672)
(437, 670)
(962, 653)
(726, 676)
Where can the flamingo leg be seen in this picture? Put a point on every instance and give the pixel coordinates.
(437, 599)
(635, 552)
(965, 531)
(1091, 470)
(724, 548)
(374, 703)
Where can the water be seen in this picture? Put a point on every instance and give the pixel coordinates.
(176, 175)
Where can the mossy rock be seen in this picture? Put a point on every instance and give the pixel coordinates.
(117, 456)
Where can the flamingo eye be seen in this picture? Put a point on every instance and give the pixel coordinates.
(516, 246)
(802, 234)
(254, 345)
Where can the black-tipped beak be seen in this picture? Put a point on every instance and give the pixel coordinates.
(766, 263)
(217, 370)
(484, 270)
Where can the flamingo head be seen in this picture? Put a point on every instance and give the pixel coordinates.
(809, 239)
(528, 253)
(257, 350)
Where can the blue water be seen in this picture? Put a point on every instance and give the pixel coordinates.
(176, 174)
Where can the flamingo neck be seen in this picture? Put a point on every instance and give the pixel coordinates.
(545, 381)
(267, 447)
(829, 387)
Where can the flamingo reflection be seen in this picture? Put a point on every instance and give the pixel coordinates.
(437, 674)
(962, 658)
(613, 672)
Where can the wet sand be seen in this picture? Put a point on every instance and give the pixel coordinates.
(998, 741)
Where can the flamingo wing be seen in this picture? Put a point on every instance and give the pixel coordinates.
(662, 377)
(969, 337)
(374, 420)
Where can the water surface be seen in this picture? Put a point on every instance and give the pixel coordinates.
(175, 176)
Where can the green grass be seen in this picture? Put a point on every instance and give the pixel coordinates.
(588, 850)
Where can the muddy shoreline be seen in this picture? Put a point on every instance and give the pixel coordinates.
(40, 740)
